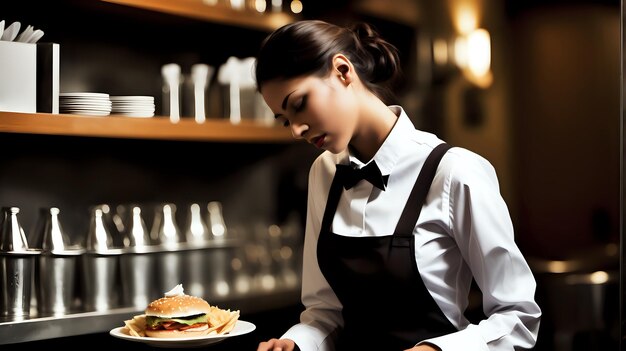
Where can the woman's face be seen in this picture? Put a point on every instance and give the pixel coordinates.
(321, 110)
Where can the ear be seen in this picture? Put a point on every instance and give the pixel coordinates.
(343, 68)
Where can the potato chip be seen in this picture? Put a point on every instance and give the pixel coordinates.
(230, 323)
(222, 321)
(136, 326)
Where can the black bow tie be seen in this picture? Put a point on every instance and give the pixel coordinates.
(351, 176)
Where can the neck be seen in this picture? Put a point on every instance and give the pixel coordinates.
(375, 123)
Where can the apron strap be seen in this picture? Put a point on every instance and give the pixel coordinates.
(331, 204)
(414, 204)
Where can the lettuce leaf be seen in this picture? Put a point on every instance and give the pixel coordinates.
(153, 321)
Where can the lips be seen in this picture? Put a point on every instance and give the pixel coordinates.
(318, 141)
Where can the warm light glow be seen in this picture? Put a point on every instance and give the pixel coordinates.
(274, 230)
(286, 252)
(479, 52)
(465, 17)
(268, 282)
(278, 19)
(599, 277)
(237, 4)
(472, 53)
(242, 285)
(557, 267)
(222, 288)
(460, 52)
(260, 5)
(440, 52)
(296, 6)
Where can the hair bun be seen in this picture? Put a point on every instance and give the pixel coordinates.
(385, 60)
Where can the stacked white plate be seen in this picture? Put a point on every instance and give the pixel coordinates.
(88, 104)
(133, 106)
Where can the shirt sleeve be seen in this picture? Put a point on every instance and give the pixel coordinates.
(480, 224)
(322, 315)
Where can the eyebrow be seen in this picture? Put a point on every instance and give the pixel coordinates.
(284, 104)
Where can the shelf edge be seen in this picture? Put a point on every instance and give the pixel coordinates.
(158, 128)
(213, 13)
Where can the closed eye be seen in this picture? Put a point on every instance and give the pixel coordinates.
(297, 106)
(284, 121)
(301, 104)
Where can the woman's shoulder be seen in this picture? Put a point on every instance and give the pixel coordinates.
(465, 166)
(324, 166)
(325, 161)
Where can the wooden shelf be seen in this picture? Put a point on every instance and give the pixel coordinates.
(212, 13)
(158, 128)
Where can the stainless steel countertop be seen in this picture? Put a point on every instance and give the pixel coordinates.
(33, 329)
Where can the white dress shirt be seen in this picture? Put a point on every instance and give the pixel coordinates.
(464, 230)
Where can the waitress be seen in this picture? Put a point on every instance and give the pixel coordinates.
(398, 222)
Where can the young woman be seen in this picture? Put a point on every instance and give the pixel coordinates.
(389, 260)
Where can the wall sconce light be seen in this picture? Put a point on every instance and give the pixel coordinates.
(472, 54)
(296, 6)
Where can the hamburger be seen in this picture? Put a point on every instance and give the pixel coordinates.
(178, 316)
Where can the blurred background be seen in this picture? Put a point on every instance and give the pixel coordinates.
(533, 86)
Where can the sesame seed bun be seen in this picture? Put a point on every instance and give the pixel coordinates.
(177, 306)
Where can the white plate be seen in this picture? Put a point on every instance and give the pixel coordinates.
(241, 327)
(84, 94)
(132, 98)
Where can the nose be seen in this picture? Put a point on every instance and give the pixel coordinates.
(298, 130)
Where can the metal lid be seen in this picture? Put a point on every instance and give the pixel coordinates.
(53, 239)
(99, 239)
(197, 232)
(165, 230)
(12, 236)
(137, 231)
(216, 221)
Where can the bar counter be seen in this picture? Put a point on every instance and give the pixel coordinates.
(270, 313)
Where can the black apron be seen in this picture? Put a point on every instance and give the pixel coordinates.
(385, 303)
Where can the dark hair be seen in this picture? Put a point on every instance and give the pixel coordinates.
(307, 47)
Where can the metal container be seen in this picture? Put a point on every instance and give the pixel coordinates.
(100, 277)
(100, 267)
(139, 263)
(166, 232)
(56, 267)
(140, 283)
(16, 267)
(170, 268)
(219, 279)
(198, 272)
